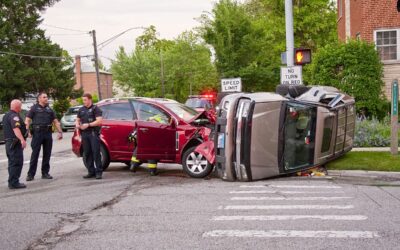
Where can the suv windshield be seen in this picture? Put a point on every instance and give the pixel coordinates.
(72, 111)
(198, 103)
(184, 112)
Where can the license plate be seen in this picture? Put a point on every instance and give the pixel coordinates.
(221, 140)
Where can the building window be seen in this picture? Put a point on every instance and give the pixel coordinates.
(387, 44)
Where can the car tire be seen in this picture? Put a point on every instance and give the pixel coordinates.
(105, 158)
(281, 89)
(195, 164)
(297, 90)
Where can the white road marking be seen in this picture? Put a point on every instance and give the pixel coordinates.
(284, 192)
(290, 186)
(287, 198)
(304, 186)
(266, 207)
(293, 234)
(289, 217)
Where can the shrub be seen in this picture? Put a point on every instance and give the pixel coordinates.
(373, 133)
(355, 68)
(60, 106)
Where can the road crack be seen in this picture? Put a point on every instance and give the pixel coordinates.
(72, 223)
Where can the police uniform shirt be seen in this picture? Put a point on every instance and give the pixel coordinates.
(42, 116)
(88, 115)
(12, 120)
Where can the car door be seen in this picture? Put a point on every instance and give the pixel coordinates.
(118, 123)
(155, 139)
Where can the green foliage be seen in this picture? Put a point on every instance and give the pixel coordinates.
(355, 68)
(19, 33)
(186, 62)
(60, 106)
(249, 38)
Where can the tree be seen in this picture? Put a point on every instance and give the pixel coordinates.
(19, 34)
(355, 68)
(249, 37)
(186, 63)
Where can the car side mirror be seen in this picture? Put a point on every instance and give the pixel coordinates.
(173, 123)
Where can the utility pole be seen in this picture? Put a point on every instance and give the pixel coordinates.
(289, 33)
(162, 75)
(96, 63)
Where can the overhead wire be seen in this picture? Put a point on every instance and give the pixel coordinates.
(34, 56)
(62, 28)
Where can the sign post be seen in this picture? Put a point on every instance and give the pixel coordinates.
(231, 85)
(395, 112)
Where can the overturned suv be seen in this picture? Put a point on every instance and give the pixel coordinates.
(261, 135)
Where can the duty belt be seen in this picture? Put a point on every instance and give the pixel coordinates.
(42, 127)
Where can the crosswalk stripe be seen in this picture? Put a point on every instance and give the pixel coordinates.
(292, 234)
(288, 198)
(289, 217)
(266, 207)
(304, 186)
(284, 192)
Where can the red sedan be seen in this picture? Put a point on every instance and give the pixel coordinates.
(173, 140)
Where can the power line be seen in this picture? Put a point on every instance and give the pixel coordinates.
(111, 39)
(33, 56)
(77, 34)
(57, 27)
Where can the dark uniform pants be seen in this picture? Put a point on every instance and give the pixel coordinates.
(91, 152)
(15, 162)
(40, 138)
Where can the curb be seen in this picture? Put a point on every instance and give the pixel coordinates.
(372, 149)
(363, 173)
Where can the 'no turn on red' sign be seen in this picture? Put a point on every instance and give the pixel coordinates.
(291, 75)
(231, 85)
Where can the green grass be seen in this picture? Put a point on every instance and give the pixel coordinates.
(371, 161)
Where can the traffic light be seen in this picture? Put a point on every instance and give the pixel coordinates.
(302, 56)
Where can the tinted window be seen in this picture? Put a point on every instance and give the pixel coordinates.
(298, 135)
(198, 103)
(117, 111)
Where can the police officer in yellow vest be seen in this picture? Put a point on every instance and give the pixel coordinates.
(151, 164)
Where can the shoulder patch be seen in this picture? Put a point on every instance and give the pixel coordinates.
(16, 119)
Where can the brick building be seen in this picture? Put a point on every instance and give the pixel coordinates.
(85, 78)
(376, 21)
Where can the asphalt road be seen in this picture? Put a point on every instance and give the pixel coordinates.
(172, 211)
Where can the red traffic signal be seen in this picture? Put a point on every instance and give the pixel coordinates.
(302, 56)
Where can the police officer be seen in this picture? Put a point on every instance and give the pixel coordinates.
(89, 122)
(14, 134)
(41, 117)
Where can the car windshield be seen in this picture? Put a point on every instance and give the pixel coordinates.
(198, 103)
(184, 112)
(72, 111)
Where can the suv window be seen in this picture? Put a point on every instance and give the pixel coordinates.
(148, 112)
(117, 111)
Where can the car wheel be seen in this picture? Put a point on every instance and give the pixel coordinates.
(105, 159)
(195, 164)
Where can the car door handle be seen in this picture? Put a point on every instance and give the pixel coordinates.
(105, 127)
(144, 129)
